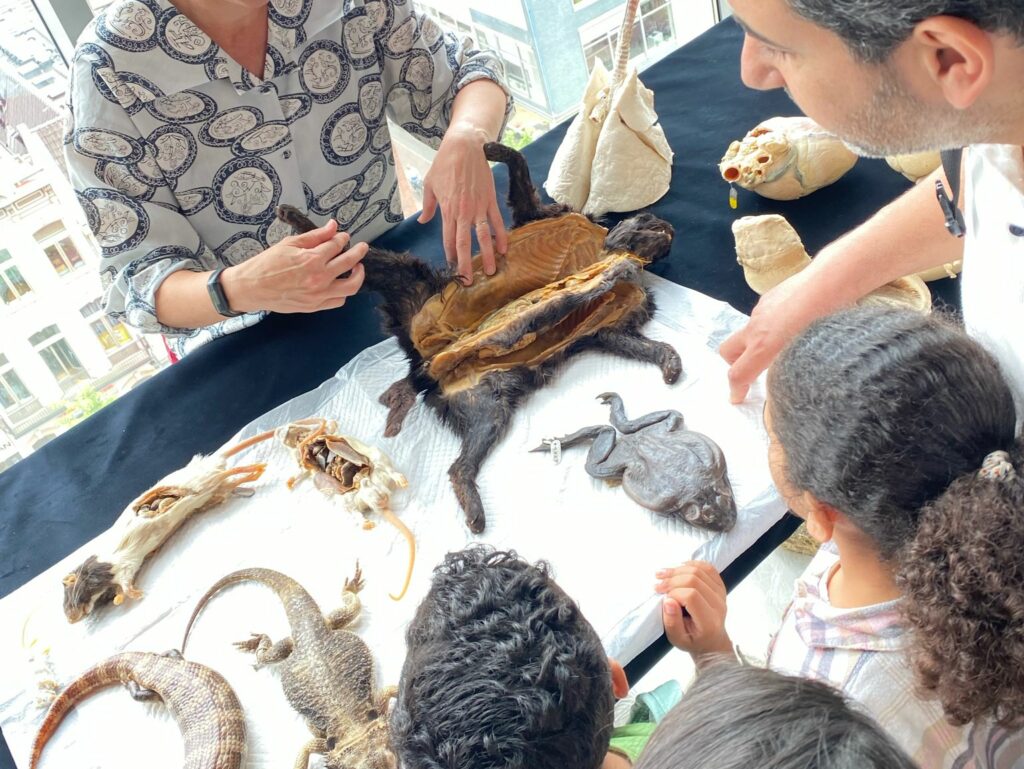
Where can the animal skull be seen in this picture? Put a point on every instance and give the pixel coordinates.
(785, 158)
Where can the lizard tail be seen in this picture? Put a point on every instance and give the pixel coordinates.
(115, 670)
(280, 583)
(395, 521)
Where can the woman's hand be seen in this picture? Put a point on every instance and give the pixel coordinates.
(299, 274)
(461, 184)
(693, 610)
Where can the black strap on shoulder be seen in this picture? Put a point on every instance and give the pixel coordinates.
(951, 161)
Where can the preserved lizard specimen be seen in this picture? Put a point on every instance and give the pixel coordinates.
(149, 521)
(200, 700)
(326, 673)
(663, 466)
(340, 464)
(565, 286)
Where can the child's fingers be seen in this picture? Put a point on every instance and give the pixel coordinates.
(675, 625)
(691, 575)
(706, 610)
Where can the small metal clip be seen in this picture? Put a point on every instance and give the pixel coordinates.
(556, 449)
(954, 216)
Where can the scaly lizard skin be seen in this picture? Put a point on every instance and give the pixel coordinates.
(201, 701)
(326, 673)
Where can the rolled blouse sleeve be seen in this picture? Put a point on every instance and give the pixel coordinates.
(425, 68)
(143, 235)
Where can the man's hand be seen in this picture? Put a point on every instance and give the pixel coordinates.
(783, 313)
(299, 274)
(461, 184)
(693, 610)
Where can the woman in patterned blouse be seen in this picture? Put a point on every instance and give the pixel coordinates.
(190, 121)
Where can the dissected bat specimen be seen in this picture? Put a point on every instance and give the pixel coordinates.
(565, 286)
(340, 464)
(770, 251)
(785, 158)
(663, 466)
(200, 700)
(149, 521)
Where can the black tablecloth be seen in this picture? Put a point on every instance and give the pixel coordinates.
(69, 491)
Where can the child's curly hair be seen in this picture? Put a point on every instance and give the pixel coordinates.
(888, 417)
(503, 672)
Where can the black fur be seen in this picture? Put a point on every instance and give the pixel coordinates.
(481, 414)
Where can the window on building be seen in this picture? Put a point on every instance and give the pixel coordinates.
(56, 354)
(12, 390)
(111, 333)
(59, 248)
(12, 284)
(653, 28)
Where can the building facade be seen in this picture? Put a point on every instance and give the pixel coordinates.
(549, 46)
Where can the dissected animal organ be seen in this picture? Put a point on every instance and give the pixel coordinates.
(915, 166)
(785, 158)
(614, 156)
(566, 285)
(663, 466)
(149, 521)
(200, 700)
(340, 464)
(326, 672)
(770, 251)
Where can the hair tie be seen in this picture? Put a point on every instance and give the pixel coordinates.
(997, 467)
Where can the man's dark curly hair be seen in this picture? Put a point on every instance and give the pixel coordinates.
(888, 416)
(502, 671)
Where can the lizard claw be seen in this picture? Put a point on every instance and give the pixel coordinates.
(250, 645)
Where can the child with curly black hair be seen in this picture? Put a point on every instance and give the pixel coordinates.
(503, 671)
(893, 435)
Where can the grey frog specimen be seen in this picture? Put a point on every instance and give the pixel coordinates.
(663, 466)
(326, 673)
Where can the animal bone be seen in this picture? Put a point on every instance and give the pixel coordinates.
(915, 166)
(614, 156)
(566, 285)
(675, 472)
(201, 701)
(770, 251)
(785, 158)
(148, 522)
(340, 464)
(326, 672)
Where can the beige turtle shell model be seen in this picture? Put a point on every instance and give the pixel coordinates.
(786, 158)
(770, 250)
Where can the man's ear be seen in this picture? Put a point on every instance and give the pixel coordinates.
(958, 56)
(821, 518)
(620, 686)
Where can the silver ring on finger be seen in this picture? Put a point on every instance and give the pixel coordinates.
(483, 223)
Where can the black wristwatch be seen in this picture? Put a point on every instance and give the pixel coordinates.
(216, 291)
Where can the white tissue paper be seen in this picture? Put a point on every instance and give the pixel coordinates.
(604, 548)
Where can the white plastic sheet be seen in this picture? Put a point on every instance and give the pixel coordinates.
(604, 548)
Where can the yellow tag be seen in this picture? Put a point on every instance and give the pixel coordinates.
(734, 201)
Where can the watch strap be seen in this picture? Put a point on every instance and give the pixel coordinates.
(217, 296)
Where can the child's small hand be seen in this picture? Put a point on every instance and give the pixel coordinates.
(693, 610)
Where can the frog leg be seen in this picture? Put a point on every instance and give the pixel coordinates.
(673, 419)
(600, 451)
(582, 435)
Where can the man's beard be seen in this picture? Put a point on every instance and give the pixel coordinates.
(895, 122)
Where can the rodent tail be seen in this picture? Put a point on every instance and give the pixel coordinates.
(115, 670)
(280, 583)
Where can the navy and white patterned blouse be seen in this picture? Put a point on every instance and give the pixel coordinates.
(180, 156)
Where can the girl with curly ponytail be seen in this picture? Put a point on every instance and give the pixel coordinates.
(893, 435)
